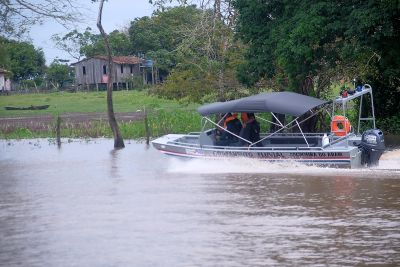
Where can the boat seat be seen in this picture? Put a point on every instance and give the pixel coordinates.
(206, 138)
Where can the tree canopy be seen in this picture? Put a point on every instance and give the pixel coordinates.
(59, 74)
(324, 41)
(23, 60)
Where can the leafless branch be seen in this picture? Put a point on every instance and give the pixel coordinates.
(17, 16)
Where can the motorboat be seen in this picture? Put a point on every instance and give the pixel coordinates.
(343, 146)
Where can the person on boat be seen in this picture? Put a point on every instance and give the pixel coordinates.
(250, 131)
(244, 118)
(232, 125)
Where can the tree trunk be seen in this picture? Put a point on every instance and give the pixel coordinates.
(221, 74)
(118, 141)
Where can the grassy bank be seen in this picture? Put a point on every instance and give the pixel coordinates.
(160, 122)
(164, 116)
(82, 102)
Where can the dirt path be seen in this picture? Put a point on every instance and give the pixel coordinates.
(44, 121)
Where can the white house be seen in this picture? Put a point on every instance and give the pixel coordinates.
(5, 83)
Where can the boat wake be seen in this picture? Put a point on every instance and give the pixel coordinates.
(389, 166)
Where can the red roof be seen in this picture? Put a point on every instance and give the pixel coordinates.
(123, 59)
(118, 59)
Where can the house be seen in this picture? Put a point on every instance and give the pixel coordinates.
(93, 72)
(5, 82)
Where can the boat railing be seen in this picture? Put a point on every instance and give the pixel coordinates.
(338, 140)
(213, 147)
(195, 135)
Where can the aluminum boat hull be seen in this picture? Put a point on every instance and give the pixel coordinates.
(339, 157)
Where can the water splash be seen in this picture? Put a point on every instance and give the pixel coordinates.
(389, 166)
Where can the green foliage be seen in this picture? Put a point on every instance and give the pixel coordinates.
(390, 125)
(89, 44)
(18, 133)
(24, 61)
(119, 43)
(173, 121)
(59, 74)
(76, 43)
(323, 41)
(81, 102)
(160, 122)
(193, 47)
(187, 84)
(164, 116)
(136, 82)
(160, 35)
(4, 59)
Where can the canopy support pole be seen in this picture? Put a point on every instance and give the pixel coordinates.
(305, 139)
(277, 119)
(309, 117)
(285, 126)
(222, 128)
(269, 121)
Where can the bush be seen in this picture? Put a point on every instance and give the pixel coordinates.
(389, 125)
(187, 84)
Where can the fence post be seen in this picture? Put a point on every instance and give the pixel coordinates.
(58, 130)
(146, 126)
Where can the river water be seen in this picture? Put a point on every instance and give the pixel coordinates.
(88, 205)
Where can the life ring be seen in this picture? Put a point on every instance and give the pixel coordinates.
(340, 126)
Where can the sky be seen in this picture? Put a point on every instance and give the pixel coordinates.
(116, 15)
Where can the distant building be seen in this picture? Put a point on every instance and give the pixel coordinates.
(93, 72)
(5, 82)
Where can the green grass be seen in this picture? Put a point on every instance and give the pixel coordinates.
(63, 102)
(164, 116)
(160, 122)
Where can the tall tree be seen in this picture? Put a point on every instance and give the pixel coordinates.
(76, 43)
(58, 74)
(160, 35)
(23, 60)
(295, 42)
(205, 50)
(79, 44)
(118, 140)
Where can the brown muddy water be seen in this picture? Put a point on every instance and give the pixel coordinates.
(88, 205)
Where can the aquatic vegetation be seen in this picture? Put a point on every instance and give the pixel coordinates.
(161, 121)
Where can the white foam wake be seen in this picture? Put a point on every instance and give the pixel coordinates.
(389, 166)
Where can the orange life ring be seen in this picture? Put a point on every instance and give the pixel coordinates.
(340, 126)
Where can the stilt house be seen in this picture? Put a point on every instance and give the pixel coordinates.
(93, 72)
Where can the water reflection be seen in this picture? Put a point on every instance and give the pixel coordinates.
(114, 173)
(87, 205)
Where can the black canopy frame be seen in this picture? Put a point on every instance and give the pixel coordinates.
(287, 103)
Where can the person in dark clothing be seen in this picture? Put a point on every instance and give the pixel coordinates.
(251, 131)
(232, 125)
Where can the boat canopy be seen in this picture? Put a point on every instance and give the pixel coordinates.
(288, 103)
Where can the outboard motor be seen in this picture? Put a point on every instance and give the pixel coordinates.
(372, 146)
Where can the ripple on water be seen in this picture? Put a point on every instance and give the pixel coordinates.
(89, 205)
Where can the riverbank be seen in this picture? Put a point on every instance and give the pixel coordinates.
(84, 115)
